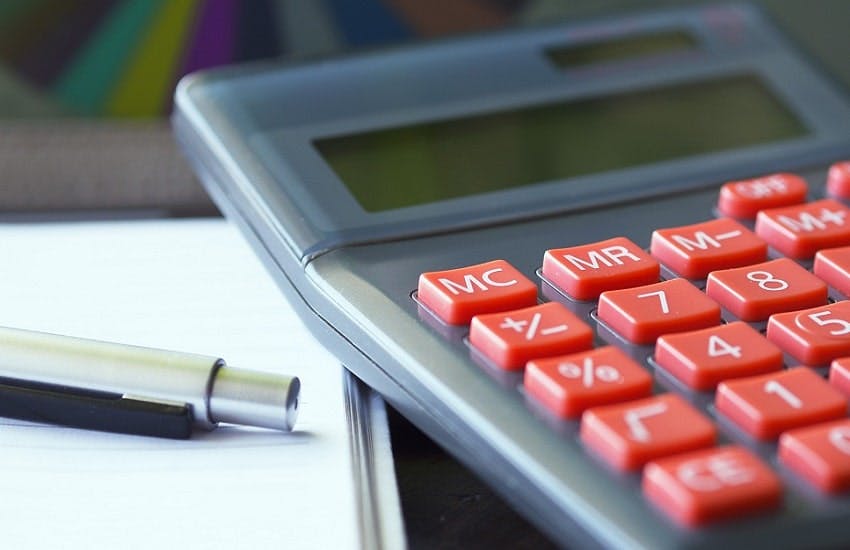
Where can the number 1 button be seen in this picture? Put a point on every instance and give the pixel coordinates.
(765, 406)
(642, 314)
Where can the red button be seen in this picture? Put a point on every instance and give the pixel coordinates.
(629, 435)
(833, 267)
(693, 251)
(765, 406)
(800, 231)
(838, 180)
(839, 375)
(644, 313)
(584, 272)
(512, 338)
(744, 199)
(704, 358)
(569, 384)
(819, 454)
(814, 337)
(458, 294)
(755, 292)
(710, 485)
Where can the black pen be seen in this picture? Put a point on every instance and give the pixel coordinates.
(129, 389)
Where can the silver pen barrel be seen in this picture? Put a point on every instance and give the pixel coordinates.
(214, 391)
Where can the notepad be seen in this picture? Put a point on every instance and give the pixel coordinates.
(192, 286)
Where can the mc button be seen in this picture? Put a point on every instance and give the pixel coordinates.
(456, 295)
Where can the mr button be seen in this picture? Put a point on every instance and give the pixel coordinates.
(457, 295)
(585, 272)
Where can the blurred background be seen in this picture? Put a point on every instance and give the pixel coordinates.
(86, 87)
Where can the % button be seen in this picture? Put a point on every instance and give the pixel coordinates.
(588, 372)
(570, 384)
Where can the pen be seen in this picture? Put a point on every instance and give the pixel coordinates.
(114, 387)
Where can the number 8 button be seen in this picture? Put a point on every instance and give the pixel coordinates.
(755, 292)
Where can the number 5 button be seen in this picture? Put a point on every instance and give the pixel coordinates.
(644, 313)
(814, 336)
(756, 292)
(765, 406)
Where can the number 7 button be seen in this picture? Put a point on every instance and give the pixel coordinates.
(644, 313)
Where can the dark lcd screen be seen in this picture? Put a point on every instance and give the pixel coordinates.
(621, 49)
(423, 163)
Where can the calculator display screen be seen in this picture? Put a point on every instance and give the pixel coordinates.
(423, 163)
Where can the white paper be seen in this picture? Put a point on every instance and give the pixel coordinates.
(193, 286)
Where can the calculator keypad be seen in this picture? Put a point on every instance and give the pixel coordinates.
(726, 356)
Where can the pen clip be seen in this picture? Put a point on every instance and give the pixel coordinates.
(93, 410)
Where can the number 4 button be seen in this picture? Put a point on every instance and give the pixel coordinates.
(814, 336)
(704, 358)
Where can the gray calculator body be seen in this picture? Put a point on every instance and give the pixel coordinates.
(260, 139)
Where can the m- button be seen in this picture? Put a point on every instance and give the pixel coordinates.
(693, 251)
(457, 295)
(585, 272)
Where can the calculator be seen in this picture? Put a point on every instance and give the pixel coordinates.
(605, 264)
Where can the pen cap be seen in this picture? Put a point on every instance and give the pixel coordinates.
(253, 398)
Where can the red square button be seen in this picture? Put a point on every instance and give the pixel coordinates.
(584, 272)
(458, 294)
(629, 435)
(704, 358)
(710, 485)
(814, 337)
(839, 375)
(511, 339)
(819, 454)
(644, 313)
(755, 292)
(832, 266)
(693, 251)
(744, 199)
(838, 180)
(765, 406)
(569, 384)
(800, 231)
